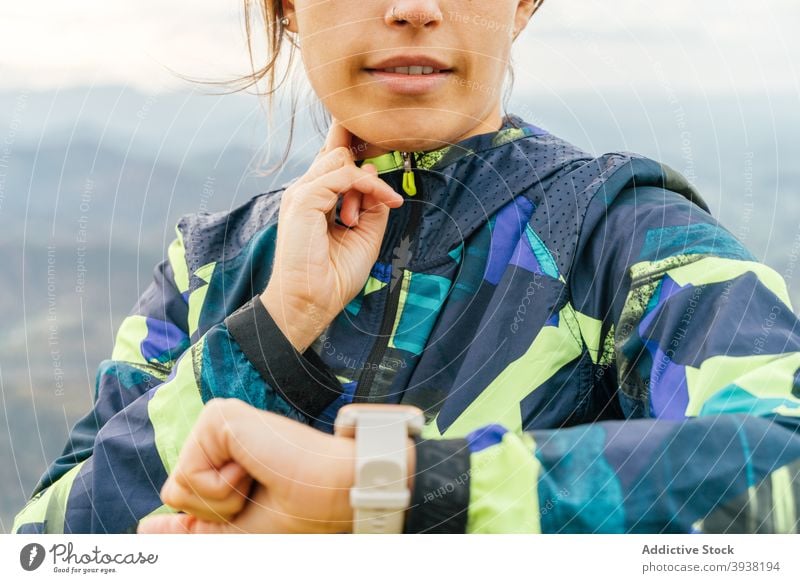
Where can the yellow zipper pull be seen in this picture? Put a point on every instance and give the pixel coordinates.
(408, 175)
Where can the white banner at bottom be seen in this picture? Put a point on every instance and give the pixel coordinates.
(401, 558)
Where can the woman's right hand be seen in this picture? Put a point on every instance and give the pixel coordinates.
(319, 266)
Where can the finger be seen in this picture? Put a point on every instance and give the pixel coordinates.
(265, 444)
(212, 484)
(213, 510)
(351, 205)
(327, 162)
(261, 515)
(227, 430)
(165, 524)
(353, 201)
(338, 136)
(324, 192)
(182, 524)
(205, 471)
(330, 217)
(211, 494)
(373, 218)
(338, 150)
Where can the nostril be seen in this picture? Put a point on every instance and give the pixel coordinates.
(418, 19)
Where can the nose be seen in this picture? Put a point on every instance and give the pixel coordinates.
(416, 13)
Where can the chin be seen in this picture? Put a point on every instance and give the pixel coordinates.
(405, 132)
(411, 144)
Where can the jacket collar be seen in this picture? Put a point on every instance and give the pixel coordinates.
(513, 128)
(465, 184)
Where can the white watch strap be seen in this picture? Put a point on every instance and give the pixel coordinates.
(380, 495)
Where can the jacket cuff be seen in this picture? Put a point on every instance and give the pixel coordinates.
(440, 500)
(303, 380)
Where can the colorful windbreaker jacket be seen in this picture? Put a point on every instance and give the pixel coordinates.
(592, 350)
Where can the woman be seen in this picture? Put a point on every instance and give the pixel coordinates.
(592, 351)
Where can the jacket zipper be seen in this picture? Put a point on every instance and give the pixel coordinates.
(390, 313)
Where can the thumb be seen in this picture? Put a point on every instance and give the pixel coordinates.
(181, 524)
(166, 524)
(338, 136)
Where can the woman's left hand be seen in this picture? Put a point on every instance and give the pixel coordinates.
(247, 470)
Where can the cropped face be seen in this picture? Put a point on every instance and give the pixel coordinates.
(409, 74)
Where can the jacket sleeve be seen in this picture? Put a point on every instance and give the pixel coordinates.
(149, 395)
(697, 345)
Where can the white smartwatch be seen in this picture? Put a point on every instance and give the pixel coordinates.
(380, 495)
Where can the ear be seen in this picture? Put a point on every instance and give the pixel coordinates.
(287, 7)
(525, 9)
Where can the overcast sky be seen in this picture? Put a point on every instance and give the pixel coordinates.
(718, 46)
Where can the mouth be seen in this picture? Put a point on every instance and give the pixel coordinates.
(411, 64)
(410, 74)
(412, 70)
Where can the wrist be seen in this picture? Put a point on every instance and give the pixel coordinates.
(300, 325)
(345, 465)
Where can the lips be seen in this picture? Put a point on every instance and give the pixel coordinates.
(410, 75)
(411, 65)
(410, 70)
